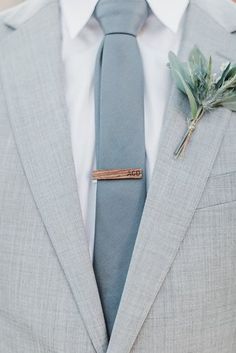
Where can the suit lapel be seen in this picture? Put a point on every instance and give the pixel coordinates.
(175, 190)
(32, 76)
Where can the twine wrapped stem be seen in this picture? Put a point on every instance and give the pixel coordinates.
(179, 152)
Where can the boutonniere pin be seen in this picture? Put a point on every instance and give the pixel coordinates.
(204, 89)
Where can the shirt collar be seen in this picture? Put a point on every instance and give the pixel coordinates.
(169, 12)
(78, 12)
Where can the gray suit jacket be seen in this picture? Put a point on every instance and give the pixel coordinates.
(180, 293)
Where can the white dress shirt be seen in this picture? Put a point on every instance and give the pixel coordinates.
(82, 36)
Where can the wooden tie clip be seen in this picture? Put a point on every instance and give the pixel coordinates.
(117, 174)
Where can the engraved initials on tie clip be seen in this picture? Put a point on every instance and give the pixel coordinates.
(117, 174)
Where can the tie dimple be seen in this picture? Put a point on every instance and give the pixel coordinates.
(121, 16)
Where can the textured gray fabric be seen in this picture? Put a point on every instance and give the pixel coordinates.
(120, 143)
(180, 293)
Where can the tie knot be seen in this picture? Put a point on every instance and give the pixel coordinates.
(121, 16)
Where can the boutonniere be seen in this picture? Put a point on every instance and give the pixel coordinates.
(204, 89)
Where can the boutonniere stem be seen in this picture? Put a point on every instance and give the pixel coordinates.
(188, 134)
(204, 89)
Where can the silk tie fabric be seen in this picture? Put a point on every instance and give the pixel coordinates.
(120, 143)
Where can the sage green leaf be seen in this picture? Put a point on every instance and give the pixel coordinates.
(231, 72)
(209, 73)
(222, 79)
(228, 85)
(230, 105)
(192, 101)
(229, 102)
(176, 66)
(198, 61)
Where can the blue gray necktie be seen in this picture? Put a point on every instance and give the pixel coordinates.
(120, 144)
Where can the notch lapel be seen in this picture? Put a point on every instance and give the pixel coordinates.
(32, 77)
(175, 190)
